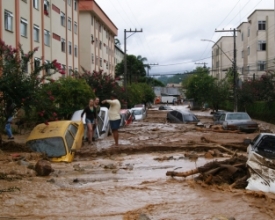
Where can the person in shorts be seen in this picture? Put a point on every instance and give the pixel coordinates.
(114, 115)
(91, 115)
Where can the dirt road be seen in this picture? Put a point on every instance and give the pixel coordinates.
(129, 182)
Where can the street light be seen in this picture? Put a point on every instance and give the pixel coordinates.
(234, 72)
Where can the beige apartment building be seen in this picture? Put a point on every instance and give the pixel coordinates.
(97, 43)
(50, 25)
(255, 44)
(222, 56)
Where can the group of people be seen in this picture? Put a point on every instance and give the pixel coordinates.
(93, 109)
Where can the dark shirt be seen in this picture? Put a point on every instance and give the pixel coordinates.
(90, 114)
(97, 109)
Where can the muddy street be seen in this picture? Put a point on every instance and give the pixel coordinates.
(129, 182)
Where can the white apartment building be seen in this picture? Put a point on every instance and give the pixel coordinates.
(255, 44)
(97, 44)
(50, 25)
(222, 56)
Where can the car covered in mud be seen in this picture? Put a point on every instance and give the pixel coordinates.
(165, 108)
(179, 116)
(261, 163)
(58, 140)
(237, 121)
(139, 113)
(126, 117)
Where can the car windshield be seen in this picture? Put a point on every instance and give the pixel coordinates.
(189, 118)
(238, 116)
(137, 112)
(52, 147)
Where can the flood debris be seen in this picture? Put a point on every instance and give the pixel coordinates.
(43, 168)
(10, 189)
(232, 171)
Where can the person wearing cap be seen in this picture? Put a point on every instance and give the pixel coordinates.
(114, 115)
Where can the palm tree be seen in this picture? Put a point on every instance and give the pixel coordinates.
(143, 59)
(117, 42)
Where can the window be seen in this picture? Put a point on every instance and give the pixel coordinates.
(107, 65)
(69, 2)
(70, 47)
(75, 5)
(36, 4)
(261, 65)
(248, 32)
(101, 62)
(24, 1)
(92, 20)
(8, 21)
(242, 36)
(75, 27)
(248, 50)
(46, 7)
(75, 50)
(63, 19)
(261, 25)
(92, 58)
(217, 64)
(247, 68)
(47, 69)
(36, 63)
(92, 38)
(63, 45)
(242, 53)
(100, 44)
(23, 27)
(69, 23)
(36, 33)
(261, 45)
(46, 37)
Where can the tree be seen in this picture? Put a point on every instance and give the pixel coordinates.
(140, 93)
(117, 42)
(18, 88)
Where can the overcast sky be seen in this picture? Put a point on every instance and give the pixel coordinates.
(172, 30)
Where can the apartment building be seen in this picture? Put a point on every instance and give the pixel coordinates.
(222, 56)
(50, 25)
(260, 43)
(97, 43)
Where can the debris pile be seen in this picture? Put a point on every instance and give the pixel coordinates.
(232, 171)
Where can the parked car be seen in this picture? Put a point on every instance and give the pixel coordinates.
(103, 128)
(179, 116)
(139, 113)
(217, 114)
(58, 140)
(165, 107)
(126, 117)
(237, 121)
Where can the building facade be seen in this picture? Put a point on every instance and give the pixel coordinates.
(97, 44)
(50, 25)
(222, 56)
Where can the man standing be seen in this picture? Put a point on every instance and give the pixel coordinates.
(114, 115)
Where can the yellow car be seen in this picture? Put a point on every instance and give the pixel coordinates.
(58, 140)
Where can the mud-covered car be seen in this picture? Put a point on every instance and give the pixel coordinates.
(139, 113)
(58, 140)
(261, 163)
(217, 115)
(126, 117)
(165, 108)
(178, 116)
(237, 121)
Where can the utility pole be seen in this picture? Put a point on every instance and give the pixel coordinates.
(234, 66)
(148, 65)
(125, 54)
(204, 64)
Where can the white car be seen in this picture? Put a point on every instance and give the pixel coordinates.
(139, 113)
(103, 128)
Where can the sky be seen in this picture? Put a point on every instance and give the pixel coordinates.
(172, 30)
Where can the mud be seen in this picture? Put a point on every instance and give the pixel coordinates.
(129, 182)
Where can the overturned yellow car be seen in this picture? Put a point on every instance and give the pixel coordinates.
(58, 140)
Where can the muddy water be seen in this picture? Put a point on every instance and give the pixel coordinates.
(126, 185)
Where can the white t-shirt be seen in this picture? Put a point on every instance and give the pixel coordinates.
(114, 110)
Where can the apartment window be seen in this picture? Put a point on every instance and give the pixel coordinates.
(36, 33)
(248, 50)
(63, 45)
(36, 63)
(261, 65)
(248, 32)
(46, 37)
(261, 45)
(261, 25)
(46, 7)
(107, 65)
(96, 41)
(75, 27)
(69, 2)
(35, 4)
(242, 36)
(100, 44)
(92, 58)
(8, 21)
(92, 38)
(242, 53)
(70, 47)
(23, 27)
(63, 19)
(217, 64)
(100, 62)
(48, 69)
(92, 20)
(75, 5)
(69, 23)
(75, 50)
